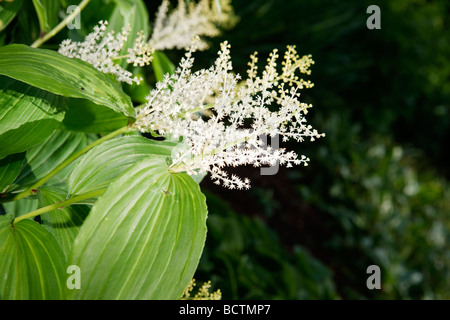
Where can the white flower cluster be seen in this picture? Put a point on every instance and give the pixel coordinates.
(177, 28)
(174, 29)
(221, 117)
(103, 51)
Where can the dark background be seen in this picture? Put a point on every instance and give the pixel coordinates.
(375, 191)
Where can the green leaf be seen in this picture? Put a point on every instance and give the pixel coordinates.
(9, 169)
(133, 13)
(32, 263)
(21, 207)
(109, 160)
(95, 11)
(51, 71)
(8, 11)
(26, 27)
(27, 115)
(138, 92)
(43, 158)
(84, 115)
(162, 65)
(47, 12)
(63, 223)
(143, 238)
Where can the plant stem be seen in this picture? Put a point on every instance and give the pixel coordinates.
(60, 26)
(39, 183)
(121, 57)
(59, 205)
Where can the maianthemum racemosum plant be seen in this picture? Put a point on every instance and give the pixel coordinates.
(116, 215)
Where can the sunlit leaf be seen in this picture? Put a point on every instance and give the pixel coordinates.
(32, 264)
(51, 71)
(28, 115)
(143, 238)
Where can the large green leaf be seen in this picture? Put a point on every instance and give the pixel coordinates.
(9, 169)
(143, 238)
(84, 115)
(47, 12)
(51, 71)
(32, 265)
(8, 11)
(109, 160)
(27, 115)
(44, 157)
(63, 223)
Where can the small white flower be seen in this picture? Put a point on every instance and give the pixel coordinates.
(176, 29)
(103, 51)
(221, 117)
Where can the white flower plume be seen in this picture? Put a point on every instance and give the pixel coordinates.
(177, 28)
(221, 117)
(174, 29)
(103, 51)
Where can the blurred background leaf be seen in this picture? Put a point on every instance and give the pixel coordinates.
(8, 11)
(47, 12)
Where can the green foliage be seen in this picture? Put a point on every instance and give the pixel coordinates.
(48, 70)
(85, 116)
(41, 159)
(8, 11)
(20, 207)
(47, 12)
(387, 208)
(162, 65)
(146, 232)
(117, 155)
(31, 259)
(132, 13)
(245, 259)
(72, 195)
(29, 115)
(376, 185)
(63, 223)
(9, 169)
